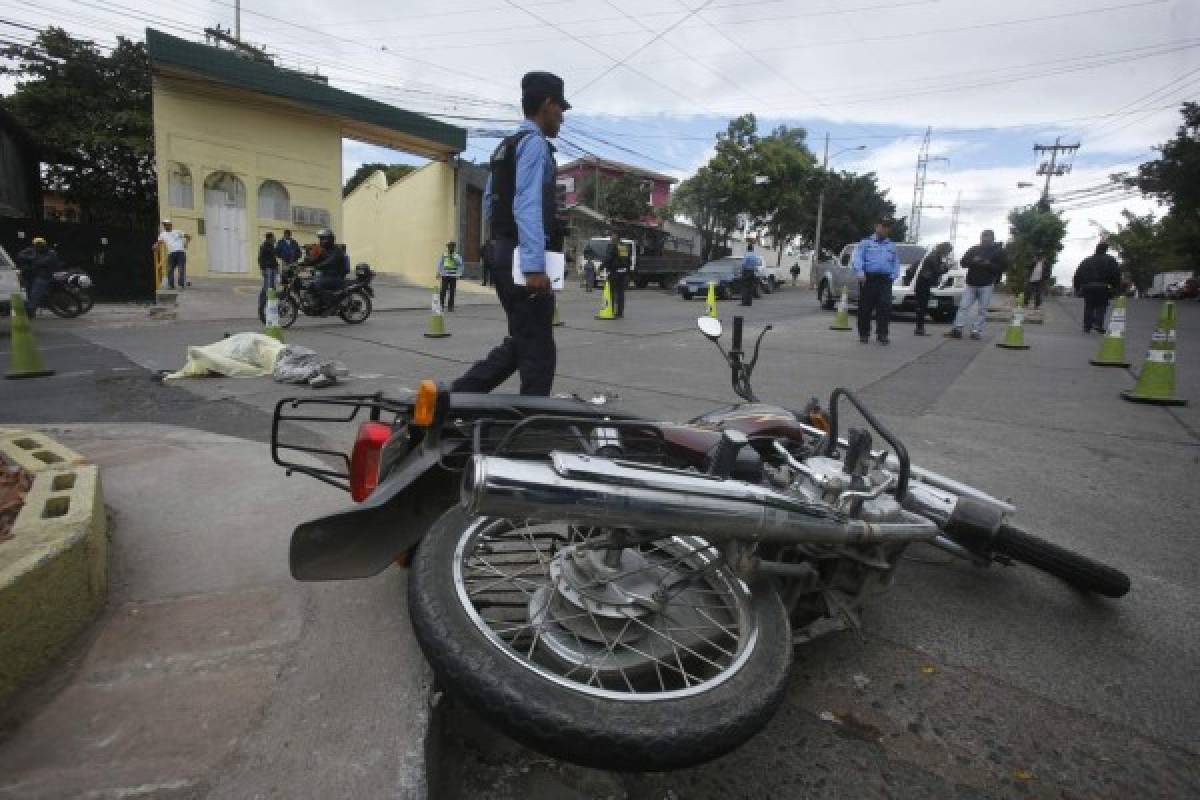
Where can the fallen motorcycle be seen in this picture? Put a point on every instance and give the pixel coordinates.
(298, 295)
(622, 592)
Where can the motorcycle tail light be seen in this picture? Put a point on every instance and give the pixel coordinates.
(426, 405)
(365, 458)
(84, 282)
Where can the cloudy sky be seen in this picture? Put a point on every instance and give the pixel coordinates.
(652, 81)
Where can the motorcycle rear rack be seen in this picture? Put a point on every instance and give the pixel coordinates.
(343, 410)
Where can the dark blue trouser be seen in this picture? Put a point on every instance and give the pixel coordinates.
(39, 287)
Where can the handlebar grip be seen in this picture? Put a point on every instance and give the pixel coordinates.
(737, 333)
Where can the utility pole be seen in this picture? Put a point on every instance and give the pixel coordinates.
(1052, 168)
(954, 218)
(237, 20)
(816, 255)
(918, 201)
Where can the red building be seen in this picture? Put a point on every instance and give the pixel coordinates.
(574, 176)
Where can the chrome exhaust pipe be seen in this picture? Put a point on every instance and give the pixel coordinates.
(599, 492)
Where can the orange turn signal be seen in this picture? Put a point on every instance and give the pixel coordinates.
(423, 409)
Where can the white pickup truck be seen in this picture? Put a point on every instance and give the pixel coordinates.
(831, 276)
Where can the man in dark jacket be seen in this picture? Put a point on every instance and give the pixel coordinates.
(331, 265)
(617, 261)
(1097, 279)
(985, 264)
(931, 269)
(37, 263)
(288, 249)
(268, 262)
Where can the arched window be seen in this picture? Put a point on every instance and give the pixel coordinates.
(179, 186)
(273, 201)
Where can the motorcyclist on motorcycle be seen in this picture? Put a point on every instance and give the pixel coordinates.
(37, 263)
(331, 265)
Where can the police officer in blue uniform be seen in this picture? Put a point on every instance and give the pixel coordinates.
(875, 265)
(520, 207)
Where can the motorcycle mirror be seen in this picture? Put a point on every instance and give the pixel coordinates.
(710, 327)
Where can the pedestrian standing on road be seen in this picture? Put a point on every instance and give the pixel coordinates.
(485, 267)
(985, 264)
(795, 273)
(288, 250)
(176, 243)
(268, 262)
(616, 263)
(37, 264)
(875, 266)
(1033, 285)
(589, 269)
(931, 269)
(520, 206)
(751, 263)
(1097, 279)
(449, 269)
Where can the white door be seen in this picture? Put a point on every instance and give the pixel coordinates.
(225, 222)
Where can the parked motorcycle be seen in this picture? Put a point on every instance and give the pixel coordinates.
(69, 295)
(623, 592)
(299, 295)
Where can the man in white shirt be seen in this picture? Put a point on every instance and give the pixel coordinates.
(176, 243)
(1037, 279)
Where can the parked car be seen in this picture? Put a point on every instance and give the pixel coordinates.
(10, 282)
(943, 300)
(726, 273)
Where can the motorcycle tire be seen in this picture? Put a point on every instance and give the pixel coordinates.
(356, 308)
(63, 303)
(1079, 571)
(569, 723)
(86, 301)
(287, 311)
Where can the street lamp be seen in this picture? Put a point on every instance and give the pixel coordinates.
(821, 200)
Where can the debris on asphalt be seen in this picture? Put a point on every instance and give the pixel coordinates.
(297, 364)
(860, 681)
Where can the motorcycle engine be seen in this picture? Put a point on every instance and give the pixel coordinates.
(858, 489)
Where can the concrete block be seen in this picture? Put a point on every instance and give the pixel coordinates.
(35, 452)
(166, 297)
(53, 572)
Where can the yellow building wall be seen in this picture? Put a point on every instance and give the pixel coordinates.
(210, 130)
(402, 229)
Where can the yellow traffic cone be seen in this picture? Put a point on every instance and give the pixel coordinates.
(557, 320)
(841, 322)
(24, 359)
(606, 310)
(1156, 383)
(710, 306)
(1112, 346)
(437, 322)
(1014, 334)
(271, 312)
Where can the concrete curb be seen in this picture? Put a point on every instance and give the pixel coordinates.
(54, 571)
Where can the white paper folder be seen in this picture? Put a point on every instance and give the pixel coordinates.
(556, 269)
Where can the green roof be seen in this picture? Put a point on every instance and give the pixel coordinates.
(173, 54)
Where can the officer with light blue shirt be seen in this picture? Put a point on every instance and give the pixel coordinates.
(750, 266)
(519, 205)
(876, 266)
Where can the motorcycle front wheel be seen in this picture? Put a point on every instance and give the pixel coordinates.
(657, 658)
(288, 310)
(355, 308)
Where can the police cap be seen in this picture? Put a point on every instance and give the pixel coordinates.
(545, 84)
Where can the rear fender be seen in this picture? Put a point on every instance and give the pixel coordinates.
(362, 541)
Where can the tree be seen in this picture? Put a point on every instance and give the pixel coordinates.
(853, 204)
(91, 113)
(785, 204)
(705, 200)
(622, 198)
(1034, 232)
(393, 173)
(1174, 178)
(1139, 242)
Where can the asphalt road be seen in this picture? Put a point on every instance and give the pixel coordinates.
(969, 683)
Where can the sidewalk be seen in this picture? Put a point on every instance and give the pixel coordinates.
(212, 299)
(212, 673)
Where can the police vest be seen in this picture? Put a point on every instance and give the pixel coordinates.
(449, 267)
(503, 164)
